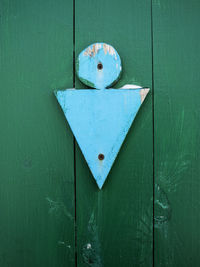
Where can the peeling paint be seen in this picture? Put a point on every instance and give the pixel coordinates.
(109, 49)
(98, 128)
(162, 207)
(92, 250)
(92, 50)
(89, 246)
(89, 60)
(143, 93)
(131, 86)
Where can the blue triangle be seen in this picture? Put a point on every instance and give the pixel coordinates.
(100, 120)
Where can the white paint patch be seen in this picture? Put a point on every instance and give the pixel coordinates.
(92, 50)
(89, 246)
(143, 93)
(130, 86)
(109, 49)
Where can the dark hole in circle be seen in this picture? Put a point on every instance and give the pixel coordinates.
(101, 156)
(100, 66)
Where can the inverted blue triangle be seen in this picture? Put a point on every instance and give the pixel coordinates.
(100, 120)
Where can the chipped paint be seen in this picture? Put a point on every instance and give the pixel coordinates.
(92, 50)
(109, 49)
(162, 207)
(89, 246)
(106, 114)
(91, 251)
(143, 93)
(98, 128)
(87, 66)
(131, 86)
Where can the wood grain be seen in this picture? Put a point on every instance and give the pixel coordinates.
(177, 138)
(36, 159)
(114, 225)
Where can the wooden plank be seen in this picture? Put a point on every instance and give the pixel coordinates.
(36, 159)
(177, 127)
(114, 225)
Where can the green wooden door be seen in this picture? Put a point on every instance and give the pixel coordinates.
(51, 210)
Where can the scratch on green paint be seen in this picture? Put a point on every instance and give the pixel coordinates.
(92, 250)
(58, 208)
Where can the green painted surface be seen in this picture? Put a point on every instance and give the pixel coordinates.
(177, 137)
(36, 159)
(114, 225)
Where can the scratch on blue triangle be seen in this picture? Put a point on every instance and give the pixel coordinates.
(100, 120)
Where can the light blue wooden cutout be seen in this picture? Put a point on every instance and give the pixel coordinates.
(99, 66)
(100, 119)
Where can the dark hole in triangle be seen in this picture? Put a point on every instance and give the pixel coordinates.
(101, 156)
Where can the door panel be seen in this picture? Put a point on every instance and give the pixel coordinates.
(36, 159)
(177, 138)
(114, 225)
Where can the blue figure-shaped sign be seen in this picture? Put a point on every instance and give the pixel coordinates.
(101, 117)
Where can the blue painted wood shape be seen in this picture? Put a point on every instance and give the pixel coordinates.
(100, 118)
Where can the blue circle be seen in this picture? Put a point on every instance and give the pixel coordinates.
(99, 66)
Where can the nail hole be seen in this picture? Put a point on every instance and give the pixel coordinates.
(101, 156)
(100, 66)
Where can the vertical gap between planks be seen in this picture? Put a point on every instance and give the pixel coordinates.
(74, 143)
(75, 222)
(152, 56)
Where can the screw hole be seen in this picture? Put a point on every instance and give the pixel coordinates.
(100, 66)
(101, 156)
